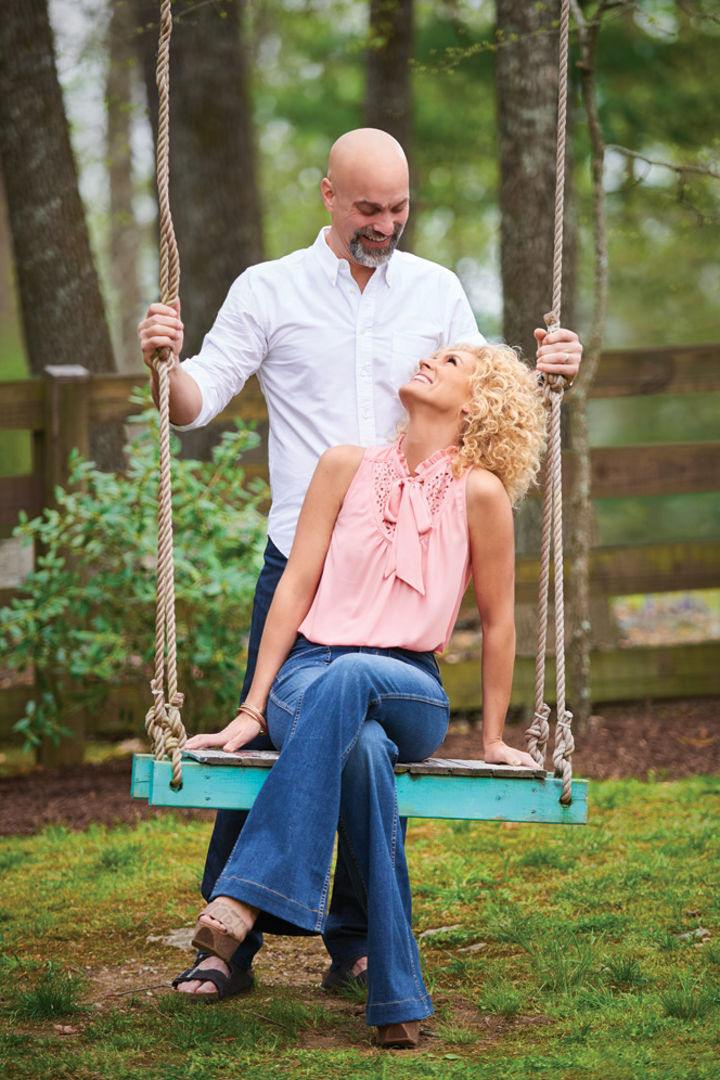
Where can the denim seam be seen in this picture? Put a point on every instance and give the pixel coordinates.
(400, 1001)
(325, 892)
(417, 975)
(280, 704)
(275, 892)
(408, 697)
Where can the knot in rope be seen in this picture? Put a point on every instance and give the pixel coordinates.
(537, 735)
(162, 359)
(552, 385)
(562, 754)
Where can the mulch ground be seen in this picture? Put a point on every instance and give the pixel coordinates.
(666, 739)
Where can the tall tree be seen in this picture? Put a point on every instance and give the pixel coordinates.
(526, 80)
(213, 187)
(62, 308)
(124, 237)
(214, 195)
(388, 94)
(61, 304)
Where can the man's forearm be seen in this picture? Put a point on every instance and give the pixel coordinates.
(185, 395)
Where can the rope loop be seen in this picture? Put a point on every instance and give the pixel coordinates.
(162, 358)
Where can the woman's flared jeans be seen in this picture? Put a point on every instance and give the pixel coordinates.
(343, 716)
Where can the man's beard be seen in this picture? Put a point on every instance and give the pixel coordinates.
(377, 256)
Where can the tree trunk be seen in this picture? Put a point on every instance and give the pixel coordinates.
(124, 238)
(9, 323)
(526, 78)
(581, 608)
(213, 189)
(388, 95)
(61, 305)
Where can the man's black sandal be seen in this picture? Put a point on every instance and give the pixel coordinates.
(341, 978)
(238, 981)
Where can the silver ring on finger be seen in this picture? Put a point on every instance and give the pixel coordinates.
(566, 358)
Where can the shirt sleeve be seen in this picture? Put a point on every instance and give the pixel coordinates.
(231, 352)
(462, 326)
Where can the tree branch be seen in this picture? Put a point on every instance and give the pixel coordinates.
(685, 167)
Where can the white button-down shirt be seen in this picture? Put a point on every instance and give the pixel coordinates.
(329, 358)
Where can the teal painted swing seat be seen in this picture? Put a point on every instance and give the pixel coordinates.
(436, 788)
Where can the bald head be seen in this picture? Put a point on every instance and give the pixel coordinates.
(366, 191)
(365, 153)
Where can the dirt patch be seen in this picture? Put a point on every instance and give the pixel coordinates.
(664, 739)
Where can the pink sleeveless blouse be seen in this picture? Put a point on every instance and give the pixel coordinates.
(399, 557)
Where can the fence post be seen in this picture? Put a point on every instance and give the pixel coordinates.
(66, 407)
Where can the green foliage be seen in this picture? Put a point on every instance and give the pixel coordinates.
(689, 999)
(85, 618)
(54, 995)
(501, 998)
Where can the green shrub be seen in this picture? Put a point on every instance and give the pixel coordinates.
(85, 619)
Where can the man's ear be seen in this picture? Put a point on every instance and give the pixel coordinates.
(327, 193)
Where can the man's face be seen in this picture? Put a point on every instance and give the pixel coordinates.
(368, 220)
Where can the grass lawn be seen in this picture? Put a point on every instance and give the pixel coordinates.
(561, 952)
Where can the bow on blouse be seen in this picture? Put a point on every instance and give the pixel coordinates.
(408, 510)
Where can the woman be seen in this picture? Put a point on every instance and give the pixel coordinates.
(386, 543)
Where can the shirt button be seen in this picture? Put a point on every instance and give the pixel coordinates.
(366, 415)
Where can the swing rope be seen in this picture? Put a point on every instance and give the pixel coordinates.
(552, 526)
(163, 721)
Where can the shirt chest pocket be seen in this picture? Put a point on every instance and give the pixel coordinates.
(408, 349)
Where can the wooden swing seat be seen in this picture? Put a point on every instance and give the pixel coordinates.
(435, 788)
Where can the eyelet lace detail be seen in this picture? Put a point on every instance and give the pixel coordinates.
(435, 487)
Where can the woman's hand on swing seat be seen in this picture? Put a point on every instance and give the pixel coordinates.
(499, 753)
(235, 735)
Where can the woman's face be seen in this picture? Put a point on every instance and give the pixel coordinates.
(443, 381)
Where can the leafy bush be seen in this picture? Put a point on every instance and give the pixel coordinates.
(85, 618)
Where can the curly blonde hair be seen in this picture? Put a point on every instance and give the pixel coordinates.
(505, 429)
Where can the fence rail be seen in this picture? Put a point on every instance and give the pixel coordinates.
(60, 409)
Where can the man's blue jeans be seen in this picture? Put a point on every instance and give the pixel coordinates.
(343, 716)
(345, 933)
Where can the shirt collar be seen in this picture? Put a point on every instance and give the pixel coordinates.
(426, 466)
(331, 264)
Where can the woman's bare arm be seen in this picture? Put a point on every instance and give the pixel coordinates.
(296, 588)
(492, 550)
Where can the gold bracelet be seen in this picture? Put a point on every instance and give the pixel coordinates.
(255, 714)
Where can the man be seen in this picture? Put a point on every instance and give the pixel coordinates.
(331, 331)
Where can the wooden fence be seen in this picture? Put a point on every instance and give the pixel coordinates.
(60, 409)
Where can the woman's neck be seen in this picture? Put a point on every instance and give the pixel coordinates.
(423, 439)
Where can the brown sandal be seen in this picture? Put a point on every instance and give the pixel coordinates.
(403, 1036)
(222, 943)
